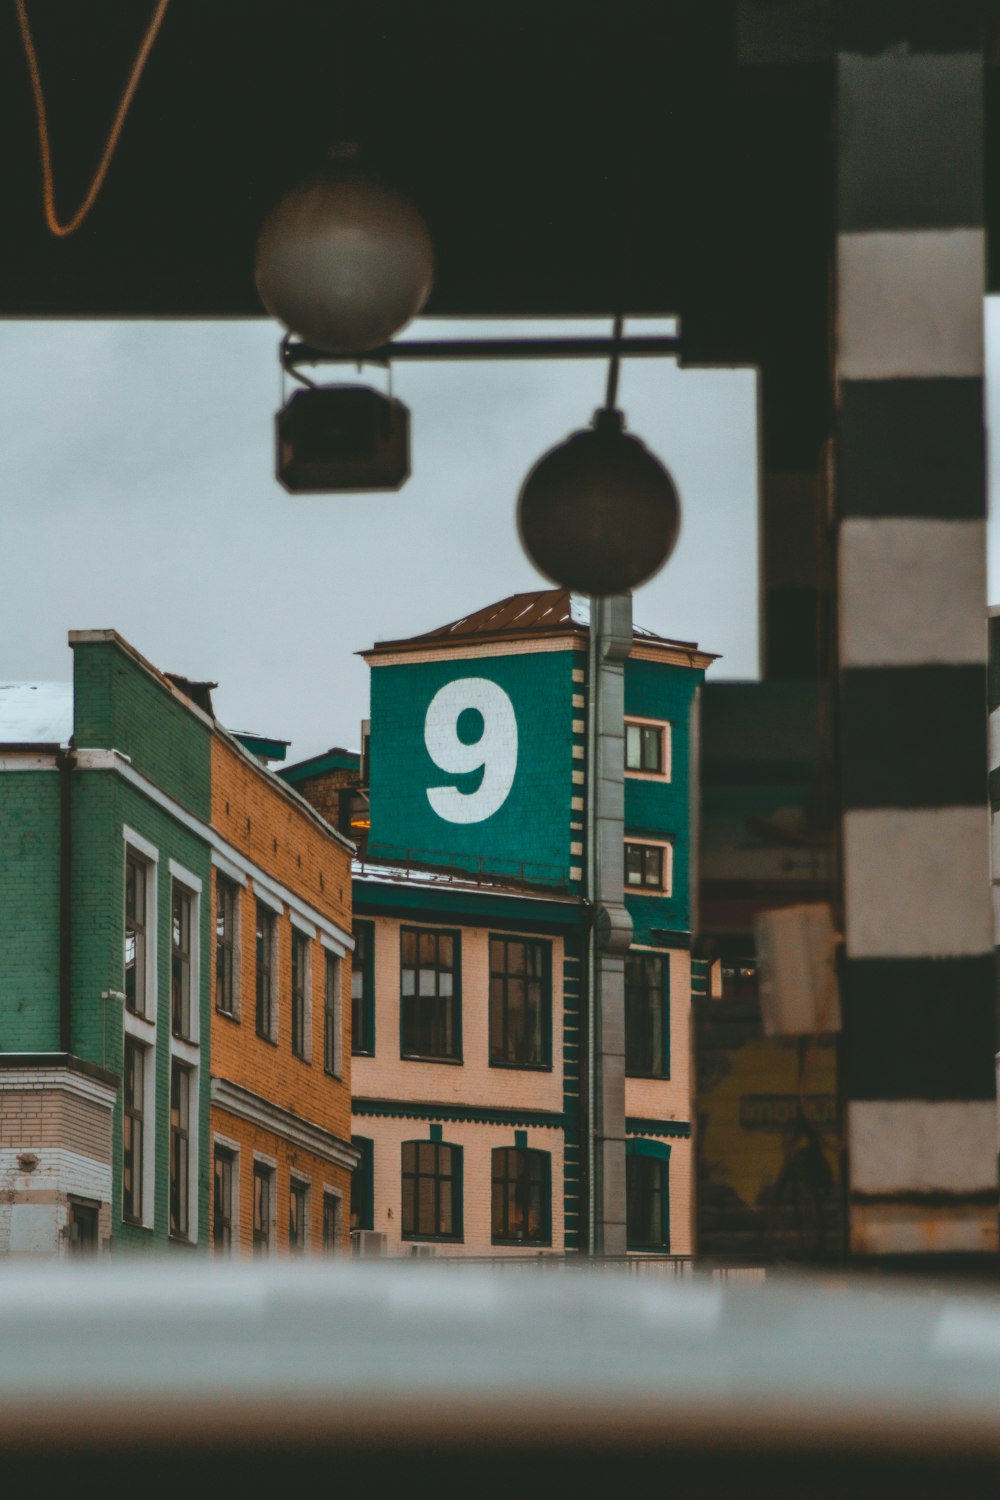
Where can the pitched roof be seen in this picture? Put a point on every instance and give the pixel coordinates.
(543, 612)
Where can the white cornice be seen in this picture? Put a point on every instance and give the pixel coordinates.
(238, 1101)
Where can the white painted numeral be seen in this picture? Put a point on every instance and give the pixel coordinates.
(495, 750)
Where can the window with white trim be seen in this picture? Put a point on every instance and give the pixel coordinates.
(183, 977)
(332, 1014)
(139, 875)
(648, 867)
(333, 1210)
(266, 978)
(300, 994)
(227, 947)
(263, 1207)
(298, 1216)
(648, 748)
(182, 1105)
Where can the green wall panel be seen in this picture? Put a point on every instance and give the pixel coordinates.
(29, 911)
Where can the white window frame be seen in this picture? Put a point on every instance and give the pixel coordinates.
(277, 911)
(666, 889)
(233, 1147)
(147, 1204)
(191, 884)
(303, 932)
(666, 740)
(270, 1163)
(142, 1029)
(293, 1179)
(333, 1192)
(331, 954)
(237, 887)
(183, 1056)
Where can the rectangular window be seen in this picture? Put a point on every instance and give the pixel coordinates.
(363, 1184)
(332, 1015)
(181, 907)
(222, 1224)
(180, 1149)
(227, 895)
(265, 971)
(331, 1224)
(520, 1001)
(362, 990)
(132, 1130)
(300, 992)
(646, 1015)
(263, 1193)
(647, 749)
(429, 990)
(521, 1197)
(432, 1189)
(136, 875)
(647, 867)
(298, 1205)
(646, 1221)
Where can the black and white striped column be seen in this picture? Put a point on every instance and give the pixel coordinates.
(919, 984)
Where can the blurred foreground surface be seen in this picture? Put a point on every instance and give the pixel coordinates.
(252, 1378)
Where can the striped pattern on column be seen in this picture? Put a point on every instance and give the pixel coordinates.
(919, 974)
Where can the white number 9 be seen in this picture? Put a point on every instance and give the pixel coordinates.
(495, 750)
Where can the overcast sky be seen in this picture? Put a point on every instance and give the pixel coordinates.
(136, 465)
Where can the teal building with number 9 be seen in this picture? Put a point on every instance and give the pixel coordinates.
(472, 1040)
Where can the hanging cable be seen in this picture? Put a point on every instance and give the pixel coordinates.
(611, 395)
(53, 224)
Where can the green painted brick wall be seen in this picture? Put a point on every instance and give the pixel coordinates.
(117, 705)
(531, 826)
(29, 911)
(655, 690)
(104, 805)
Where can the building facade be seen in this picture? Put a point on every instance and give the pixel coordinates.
(113, 836)
(473, 1083)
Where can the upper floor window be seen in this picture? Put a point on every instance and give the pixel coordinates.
(363, 1184)
(181, 910)
(646, 1015)
(647, 1223)
(520, 1002)
(648, 867)
(331, 1224)
(222, 1224)
(521, 1196)
(429, 994)
(432, 1191)
(332, 1015)
(265, 946)
(180, 1149)
(363, 990)
(227, 895)
(133, 1130)
(647, 748)
(300, 994)
(136, 878)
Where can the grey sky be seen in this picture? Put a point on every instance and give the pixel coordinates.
(137, 462)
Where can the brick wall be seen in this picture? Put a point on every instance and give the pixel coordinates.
(29, 911)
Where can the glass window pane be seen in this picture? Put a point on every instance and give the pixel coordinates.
(428, 948)
(409, 982)
(409, 950)
(633, 754)
(445, 982)
(427, 982)
(446, 953)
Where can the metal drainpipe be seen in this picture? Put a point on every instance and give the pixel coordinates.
(591, 826)
(65, 760)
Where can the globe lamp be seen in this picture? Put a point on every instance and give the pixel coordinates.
(599, 514)
(344, 260)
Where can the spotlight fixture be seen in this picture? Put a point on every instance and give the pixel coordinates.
(342, 437)
(599, 513)
(344, 260)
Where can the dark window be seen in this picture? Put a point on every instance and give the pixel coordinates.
(644, 866)
(429, 994)
(226, 907)
(181, 906)
(132, 1130)
(362, 990)
(332, 1015)
(331, 1224)
(646, 1224)
(644, 748)
(135, 935)
(263, 1186)
(521, 1196)
(646, 1016)
(222, 1223)
(82, 1227)
(432, 1190)
(298, 1200)
(180, 1149)
(300, 984)
(363, 1185)
(265, 971)
(519, 1002)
